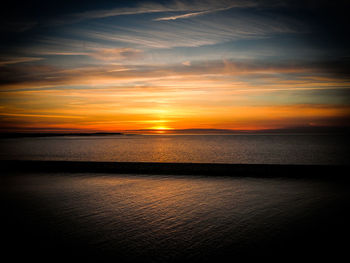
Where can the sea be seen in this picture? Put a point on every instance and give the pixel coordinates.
(92, 217)
(250, 149)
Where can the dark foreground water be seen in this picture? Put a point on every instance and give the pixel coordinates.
(258, 149)
(136, 218)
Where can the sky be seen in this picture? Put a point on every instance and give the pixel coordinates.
(133, 65)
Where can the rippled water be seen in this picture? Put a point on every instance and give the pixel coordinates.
(170, 218)
(280, 149)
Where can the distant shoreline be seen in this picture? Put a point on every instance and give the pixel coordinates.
(332, 172)
(20, 135)
(296, 130)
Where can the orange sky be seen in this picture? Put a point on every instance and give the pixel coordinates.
(203, 66)
(181, 103)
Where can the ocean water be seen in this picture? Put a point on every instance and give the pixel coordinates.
(147, 218)
(139, 218)
(261, 149)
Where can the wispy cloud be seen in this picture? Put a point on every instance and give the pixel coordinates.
(40, 115)
(116, 54)
(201, 7)
(73, 47)
(188, 33)
(193, 14)
(194, 75)
(17, 26)
(188, 15)
(15, 60)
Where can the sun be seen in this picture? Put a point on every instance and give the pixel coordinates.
(160, 129)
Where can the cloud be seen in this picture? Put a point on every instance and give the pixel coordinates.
(216, 73)
(188, 33)
(15, 60)
(190, 15)
(18, 26)
(152, 7)
(115, 54)
(145, 8)
(72, 47)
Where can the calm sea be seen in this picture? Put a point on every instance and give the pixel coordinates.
(137, 218)
(263, 149)
(145, 218)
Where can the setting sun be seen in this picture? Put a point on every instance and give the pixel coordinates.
(160, 128)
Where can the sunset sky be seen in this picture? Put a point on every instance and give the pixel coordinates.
(129, 65)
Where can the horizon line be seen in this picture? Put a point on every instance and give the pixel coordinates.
(299, 129)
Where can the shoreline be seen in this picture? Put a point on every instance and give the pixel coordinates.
(43, 135)
(333, 172)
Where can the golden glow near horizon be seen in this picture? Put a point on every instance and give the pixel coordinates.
(182, 103)
(150, 70)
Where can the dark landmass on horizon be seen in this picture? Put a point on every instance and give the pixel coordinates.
(309, 129)
(292, 130)
(39, 134)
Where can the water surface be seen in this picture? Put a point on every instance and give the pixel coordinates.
(173, 218)
(261, 149)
